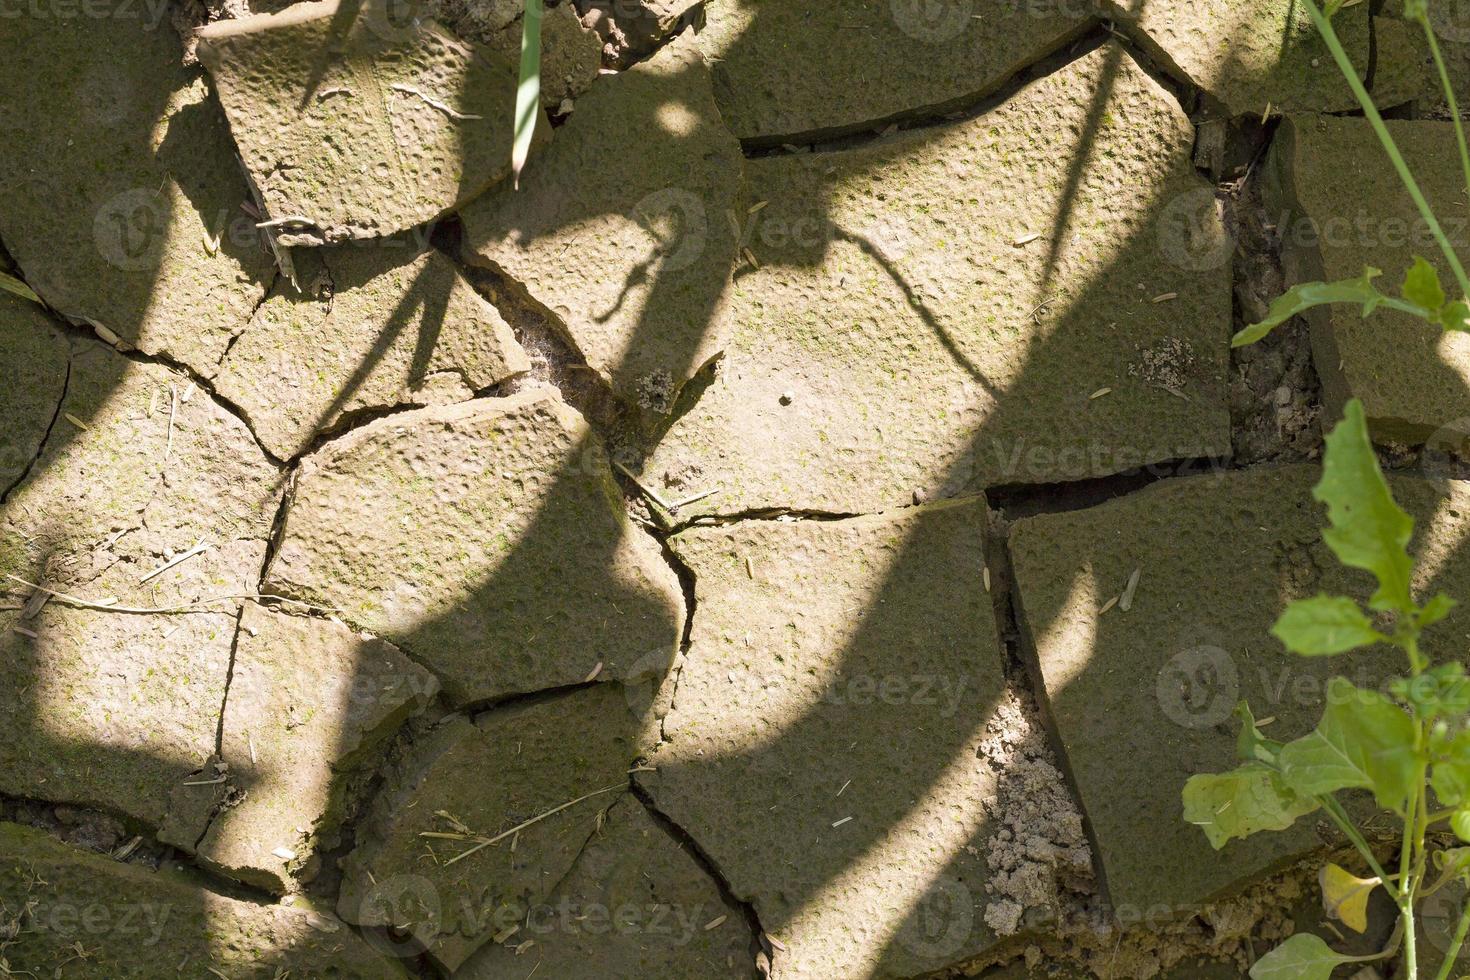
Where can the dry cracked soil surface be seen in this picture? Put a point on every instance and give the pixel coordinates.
(810, 528)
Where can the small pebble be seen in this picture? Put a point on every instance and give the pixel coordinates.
(920, 496)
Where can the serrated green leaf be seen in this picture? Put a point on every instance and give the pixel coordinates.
(1455, 316)
(1302, 957)
(1301, 298)
(1364, 741)
(1251, 745)
(1324, 625)
(1421, 285)
(1241, 802)
(1369, 531)
(528, 92)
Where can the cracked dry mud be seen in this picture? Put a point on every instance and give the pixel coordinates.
(701, 561)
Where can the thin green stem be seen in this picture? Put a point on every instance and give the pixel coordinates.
(1411, 952)
(1344, 63)
(1453, 953)
(1449, 94)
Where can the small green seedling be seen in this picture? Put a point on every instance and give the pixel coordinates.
(1408, 744)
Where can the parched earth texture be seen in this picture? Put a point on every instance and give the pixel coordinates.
(810, 528)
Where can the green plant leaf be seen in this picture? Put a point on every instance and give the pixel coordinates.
(1238, 803)
(1302, 957)
(1460, 824)
(528, 92)
(1440, 692)
(1364, 741)
(1455, 316)
(1251, 745)
(1299, 299)
(1369, 531)
(1324, 625)
(1421, 285)
(1435, 609)
(1450, 775)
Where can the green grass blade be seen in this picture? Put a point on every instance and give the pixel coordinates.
(1344, 63)
(13, 285)
(528, 92)
(1449, 94)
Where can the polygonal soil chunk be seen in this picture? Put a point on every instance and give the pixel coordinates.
(635, 904)
(487, 540)
(630, 31)
(112, 709)
(1341, 208)
(783, 67)
(1262, 56)
(822, 748)
(476, 828)
(353, 125)
(373, 326)
(119, 192)
(636, 186)
(33, 367)
(1141, 694)
(914, 326)
(132, 922)
(309, 701)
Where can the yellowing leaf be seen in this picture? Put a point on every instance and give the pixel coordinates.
(1345, 896)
